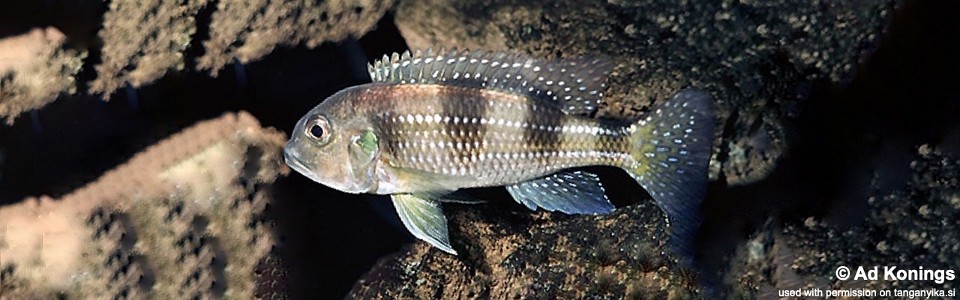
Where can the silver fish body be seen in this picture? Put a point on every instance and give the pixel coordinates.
(431, 124)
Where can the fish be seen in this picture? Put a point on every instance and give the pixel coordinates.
(434, 122)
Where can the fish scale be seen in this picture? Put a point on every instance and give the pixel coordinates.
(432, 123)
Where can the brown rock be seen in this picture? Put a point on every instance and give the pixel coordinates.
(508, 254)
(179, 220)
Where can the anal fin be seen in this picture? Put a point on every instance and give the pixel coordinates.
(571, 192)
(424, 219)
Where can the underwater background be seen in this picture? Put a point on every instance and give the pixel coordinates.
(141, 154)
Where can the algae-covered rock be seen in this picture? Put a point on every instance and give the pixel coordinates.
(247, 30)
(35, 69)
(509, 254)
(910, 229)
(139, 42)
(182, 219)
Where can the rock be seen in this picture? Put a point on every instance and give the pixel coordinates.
(246, 31)
(909, 229)
(35, 68)
(142, 41)
(427, 24)
(179, 220)
(509, 254)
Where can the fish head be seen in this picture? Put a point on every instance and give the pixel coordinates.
(335, 147)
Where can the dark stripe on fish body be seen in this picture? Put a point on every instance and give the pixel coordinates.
(542, 134)
(390, 112)
(467, 105)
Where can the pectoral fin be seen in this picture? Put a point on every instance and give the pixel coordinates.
(572, 192)
(424, 219)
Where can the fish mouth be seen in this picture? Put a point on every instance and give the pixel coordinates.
(297, 165)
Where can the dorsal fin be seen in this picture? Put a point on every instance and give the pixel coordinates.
(574, 84)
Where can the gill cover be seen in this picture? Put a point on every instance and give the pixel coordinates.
(364, 148)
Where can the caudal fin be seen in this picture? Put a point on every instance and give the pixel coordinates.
(672, 148)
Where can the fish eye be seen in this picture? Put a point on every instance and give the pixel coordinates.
(319, 130)
(316, 131)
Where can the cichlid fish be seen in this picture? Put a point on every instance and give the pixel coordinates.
(433, 123)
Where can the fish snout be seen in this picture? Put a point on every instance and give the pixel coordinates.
(292, 158)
